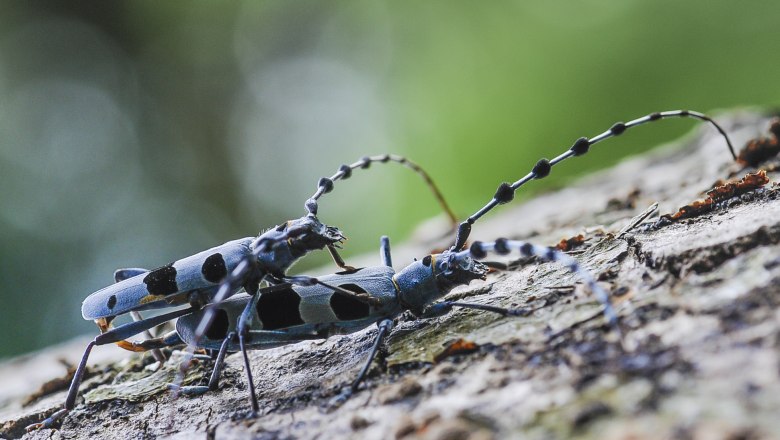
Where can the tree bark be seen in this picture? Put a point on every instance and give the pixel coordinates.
(697, 303)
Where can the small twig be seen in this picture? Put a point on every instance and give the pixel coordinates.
(637, 220)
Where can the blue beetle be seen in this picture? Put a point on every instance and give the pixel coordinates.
(287, 314)
(415, 288)
(216, 274)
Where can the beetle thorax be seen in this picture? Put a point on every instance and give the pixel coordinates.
(423, 282)
(279, 248)
(417, 286)
(278, 258)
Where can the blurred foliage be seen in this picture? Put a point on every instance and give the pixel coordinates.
(133, 133)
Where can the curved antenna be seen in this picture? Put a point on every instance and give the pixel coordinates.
(325, 184)
(506, 192)
(502, 246)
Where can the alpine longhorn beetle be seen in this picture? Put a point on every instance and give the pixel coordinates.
(351, 300)
(285, 314)
(415, 288)
(217, 273)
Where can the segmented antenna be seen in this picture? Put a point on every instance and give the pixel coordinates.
(502, 246)
(506, 192)
(325, 184)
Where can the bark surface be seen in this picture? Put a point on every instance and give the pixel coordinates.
(698, 309)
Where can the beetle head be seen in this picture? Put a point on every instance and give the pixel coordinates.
(424, 281)
(309, 233)
(456, 268)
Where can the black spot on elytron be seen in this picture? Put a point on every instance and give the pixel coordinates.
(112, 301)
(279, 309)
(426, 261)
(219, 327)
(346, 307)
(162, 281)
(214, 269)
(350, 271)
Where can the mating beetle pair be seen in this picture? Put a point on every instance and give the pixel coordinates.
(299, 308)
(214, 275)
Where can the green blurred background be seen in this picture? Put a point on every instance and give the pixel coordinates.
(133, 133)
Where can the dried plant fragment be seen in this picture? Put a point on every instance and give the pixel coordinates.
(459, 346)
(568, 244)
(762, 148)
(720, 193)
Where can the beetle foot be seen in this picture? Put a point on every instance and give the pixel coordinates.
(48, 422)
(341, 398)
